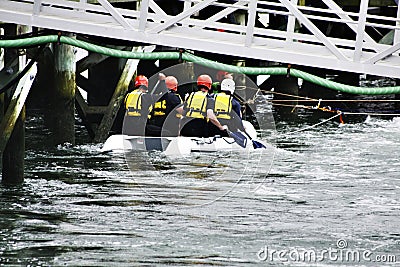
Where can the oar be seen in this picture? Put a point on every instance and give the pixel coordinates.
(239, 138)
(256, 144)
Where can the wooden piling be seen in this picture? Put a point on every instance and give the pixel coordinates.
(185, 74)
(242, 93)
(1, 95)
(117, 99)
(62, 95)
(14, 151)
(1, 119)
(39, 95)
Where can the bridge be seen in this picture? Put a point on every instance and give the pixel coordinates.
(250, 37)
(237, 28)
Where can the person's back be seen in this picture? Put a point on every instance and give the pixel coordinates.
(194, 123)
(198, 110)
(138, 105)
(165, 107)
(227, 109)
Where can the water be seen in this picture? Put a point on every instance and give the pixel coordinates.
(331, 188)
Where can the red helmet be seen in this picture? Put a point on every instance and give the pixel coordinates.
(141, 80)
(171, 82)
(204, 80)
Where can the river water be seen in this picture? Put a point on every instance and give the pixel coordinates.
(330, 197)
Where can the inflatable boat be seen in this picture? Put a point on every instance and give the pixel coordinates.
(181, 145)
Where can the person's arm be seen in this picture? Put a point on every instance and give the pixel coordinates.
(176, 103)
(211, 116)
(179, 109)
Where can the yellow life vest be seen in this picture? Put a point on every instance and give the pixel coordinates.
(133, 104)
(223, 106)
(196, 105)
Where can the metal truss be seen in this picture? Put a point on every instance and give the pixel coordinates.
(252, 37)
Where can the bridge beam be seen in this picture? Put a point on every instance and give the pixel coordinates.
(372, 3)
(362, 19)
(153, 25)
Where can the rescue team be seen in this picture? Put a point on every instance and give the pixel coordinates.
(202, 114)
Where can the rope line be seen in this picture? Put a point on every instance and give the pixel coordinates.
(336, 100)
(337, 111)
(294, 96)
(370, 113)
(314, 125)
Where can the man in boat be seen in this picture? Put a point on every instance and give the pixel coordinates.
(220, 76)
(166, 111)
(227, 109)
(198, 110)
(138, 105)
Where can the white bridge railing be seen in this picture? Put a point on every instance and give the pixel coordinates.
(251, 37)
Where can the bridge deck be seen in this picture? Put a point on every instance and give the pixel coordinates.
(253, 39)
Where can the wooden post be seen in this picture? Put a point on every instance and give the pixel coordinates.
(117, 98)
(2, 51)
(16, 106)
(62, 96)
(14, 152)
(1, 119)
(241, 93)
(185, 73)
(39, 95)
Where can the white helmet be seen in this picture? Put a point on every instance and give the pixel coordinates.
(228, 85)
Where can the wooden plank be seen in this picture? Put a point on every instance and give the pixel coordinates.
(97, 109)
(117, 98)
(15, 107)
(83, 82)
(82, 108)
(81, 103)
(115, 14)
(89, 61)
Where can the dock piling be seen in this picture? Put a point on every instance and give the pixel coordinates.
(13, 155)
(62, 95)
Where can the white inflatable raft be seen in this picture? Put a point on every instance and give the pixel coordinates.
(184, 145)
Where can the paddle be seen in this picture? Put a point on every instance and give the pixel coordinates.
(239, 138)
(256, 144)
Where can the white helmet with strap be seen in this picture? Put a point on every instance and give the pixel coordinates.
(228, 85)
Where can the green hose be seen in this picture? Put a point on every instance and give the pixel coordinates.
(35, 41)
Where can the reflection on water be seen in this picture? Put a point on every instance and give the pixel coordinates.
(79, 207)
